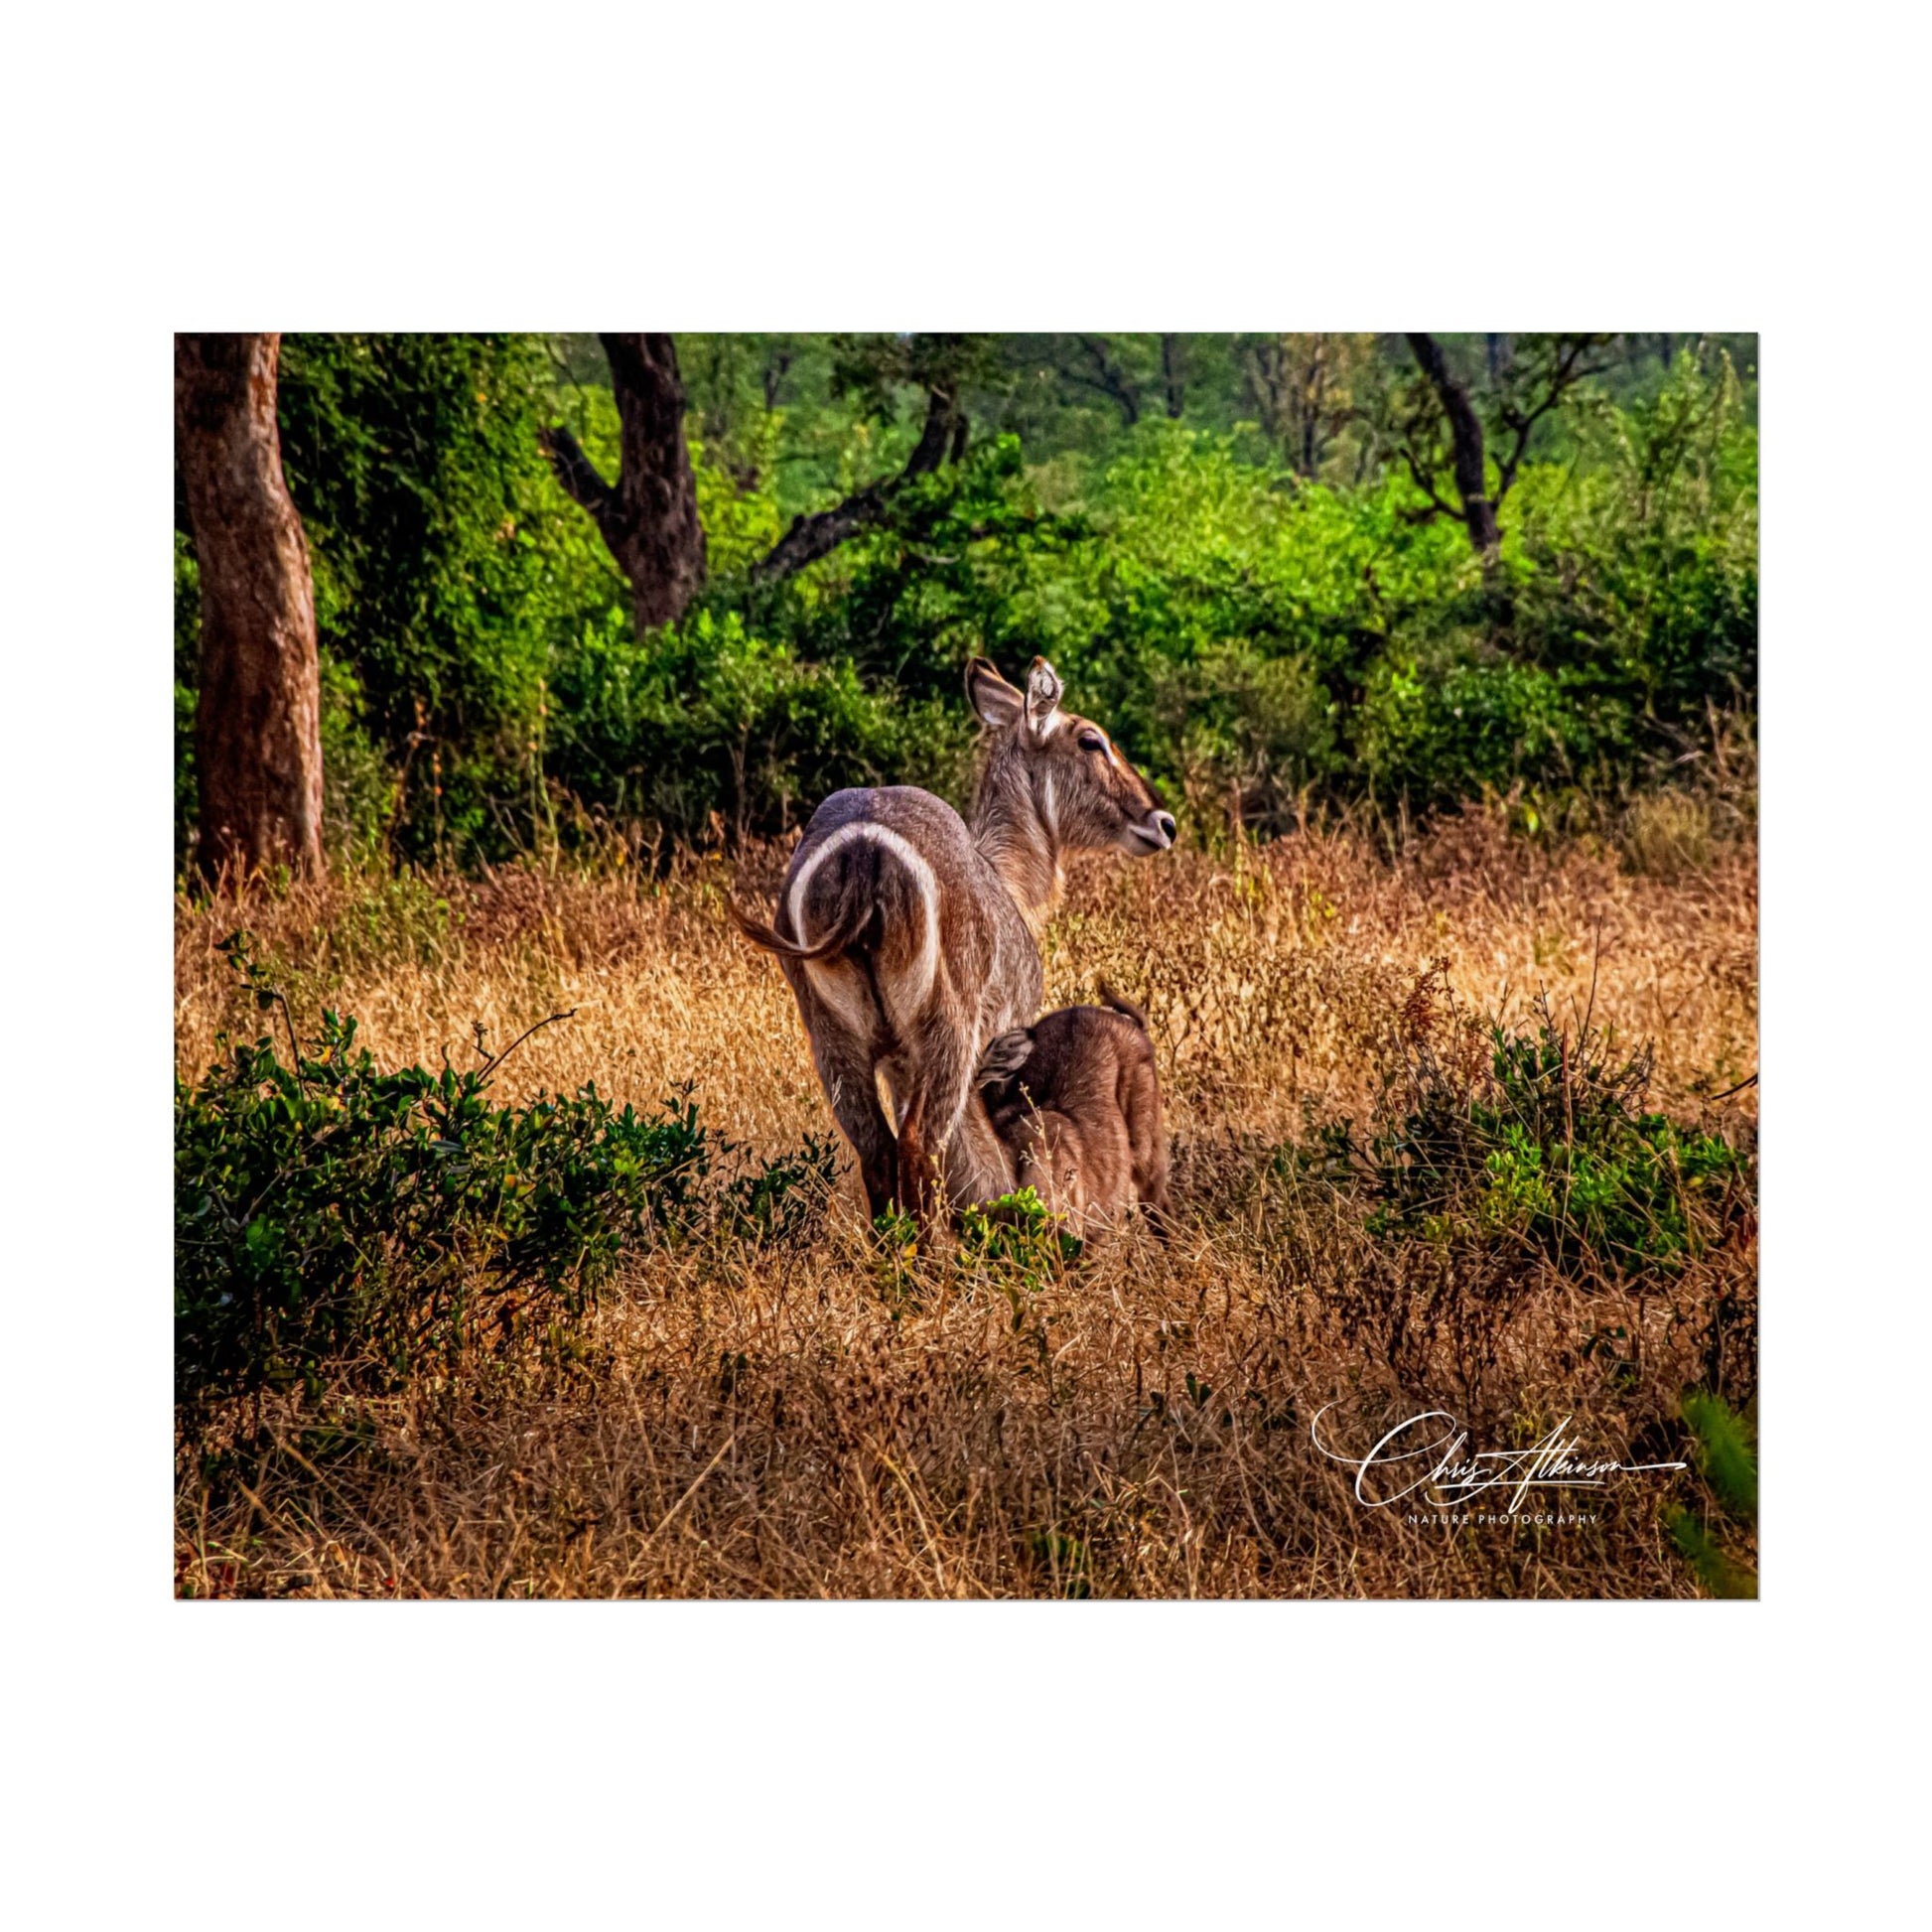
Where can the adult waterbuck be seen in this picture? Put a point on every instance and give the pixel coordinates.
(908, 934)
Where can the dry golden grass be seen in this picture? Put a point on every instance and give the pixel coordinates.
(813, 1420)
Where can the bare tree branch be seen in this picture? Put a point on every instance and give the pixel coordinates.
(1108, 379)
(1569, 370)
(576, 472)
(776, 370)
(1438, 505)
(819, 534)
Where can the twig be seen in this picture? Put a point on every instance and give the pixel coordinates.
(295, 1048)
(1595, 960)
(492, 1062)
(663, 1522)
(1749, 1080)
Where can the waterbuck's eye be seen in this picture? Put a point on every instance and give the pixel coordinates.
(1092, 742)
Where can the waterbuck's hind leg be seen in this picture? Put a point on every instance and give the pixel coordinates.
(933, 1112)
(848, 1083)
(844, 1060)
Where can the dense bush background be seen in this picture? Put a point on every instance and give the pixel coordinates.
(1246, 586)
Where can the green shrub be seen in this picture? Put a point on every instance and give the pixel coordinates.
(1725, 1453)
(1250, 635)
(967, 562)
(360, 789)
(1018, 1243)
(1541, 1145)
(709, 718)
(1719, 1572)
(784, 1199)
(1458, 727)
(333, 1221)
(337, 1223)
(1241, 726)
(448, 567)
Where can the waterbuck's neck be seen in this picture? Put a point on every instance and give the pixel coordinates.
(1014, 827)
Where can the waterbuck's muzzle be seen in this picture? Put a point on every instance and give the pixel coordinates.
(1154, 833)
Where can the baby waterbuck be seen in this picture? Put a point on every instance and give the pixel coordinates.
(907, 935)
(1076, 1104)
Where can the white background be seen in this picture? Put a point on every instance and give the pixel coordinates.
(1010, 167)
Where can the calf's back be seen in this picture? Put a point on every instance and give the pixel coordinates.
(1077, 1101)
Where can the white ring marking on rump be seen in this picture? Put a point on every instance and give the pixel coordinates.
(906, 993)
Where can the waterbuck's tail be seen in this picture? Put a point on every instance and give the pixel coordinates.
(1126, 1007)
(844, 931)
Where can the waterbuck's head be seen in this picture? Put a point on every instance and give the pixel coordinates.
(1053, 782)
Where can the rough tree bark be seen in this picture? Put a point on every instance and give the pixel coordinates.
(1465, 435)
(649, 518)
(257, 720)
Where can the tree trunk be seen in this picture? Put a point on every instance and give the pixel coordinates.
(1173, 375)
(1465, 432)
(649, 518)
(257, 720)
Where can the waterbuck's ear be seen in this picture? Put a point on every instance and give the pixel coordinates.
(998, 705)
(1044, 690)
(1004, 1057)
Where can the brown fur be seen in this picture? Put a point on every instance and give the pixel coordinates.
(1076, 1102)
(907, 936)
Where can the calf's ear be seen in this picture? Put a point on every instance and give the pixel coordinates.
(998, 704)
(1004, 1057)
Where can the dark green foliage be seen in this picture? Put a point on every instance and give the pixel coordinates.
(1264, 636)
(337, 1223)
(708, 718)
(1254, 636)
(447, 565)
(1719, 1574)
(785, 1199)
(1538, 1144)
(957, 570)
(1436, 730)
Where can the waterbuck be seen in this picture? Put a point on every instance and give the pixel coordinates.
(908, 934)
(1075, 1101)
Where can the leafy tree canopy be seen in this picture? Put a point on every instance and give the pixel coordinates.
(1235, 549)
